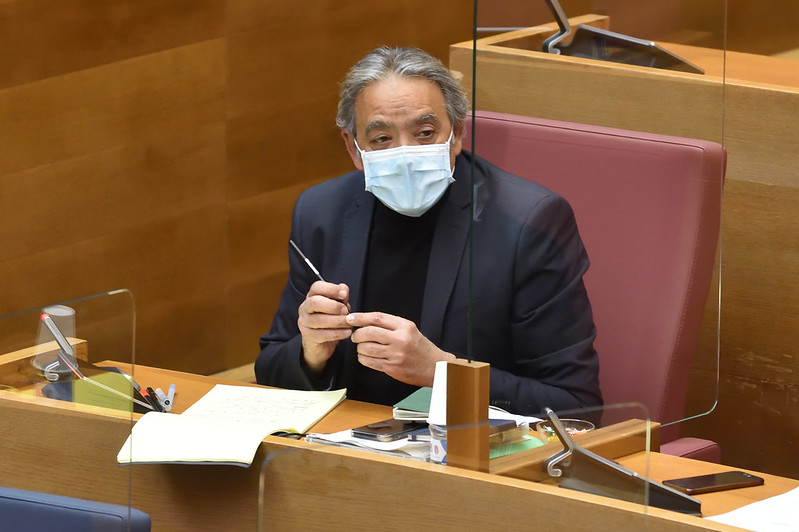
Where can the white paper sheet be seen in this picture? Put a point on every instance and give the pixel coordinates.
(775, 514)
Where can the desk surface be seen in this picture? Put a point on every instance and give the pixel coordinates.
(354, 413)
(181, 497)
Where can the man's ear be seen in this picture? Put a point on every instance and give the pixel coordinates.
(456, 145)
(349, 143)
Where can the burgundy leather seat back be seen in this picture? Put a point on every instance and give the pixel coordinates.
(648, 208)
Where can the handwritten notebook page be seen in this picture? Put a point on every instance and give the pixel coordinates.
(225, 426)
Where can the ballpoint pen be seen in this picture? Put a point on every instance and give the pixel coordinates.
(152, 399)
(159, 393)
(66, 354)
(170, 398)
(305, 259)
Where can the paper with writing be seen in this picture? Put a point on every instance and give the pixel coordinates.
(225, 426)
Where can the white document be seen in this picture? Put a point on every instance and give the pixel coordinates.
(418, 449)
(438, 397)
(775, 514)
(225, 426)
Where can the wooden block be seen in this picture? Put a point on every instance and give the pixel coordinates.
(467, 414)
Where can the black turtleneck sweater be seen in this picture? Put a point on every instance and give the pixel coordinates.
(394, 283)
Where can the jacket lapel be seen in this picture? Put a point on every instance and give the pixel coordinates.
(356, 221)
(446, 256)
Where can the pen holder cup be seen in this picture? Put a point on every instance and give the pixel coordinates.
(64, 318)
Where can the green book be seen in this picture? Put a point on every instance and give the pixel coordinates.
(416, 406)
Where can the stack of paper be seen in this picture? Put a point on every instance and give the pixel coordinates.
(416, 448)
(225, 426)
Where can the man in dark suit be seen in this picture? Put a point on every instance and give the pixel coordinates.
(405, 281)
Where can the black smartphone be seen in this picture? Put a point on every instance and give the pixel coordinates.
(387, 430)
(714, 482)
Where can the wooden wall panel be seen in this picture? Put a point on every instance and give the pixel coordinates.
(757, 419)
(46, 38)
(754, 26)
(762, 26)
(249, 314)
(252, 224)
(97, 109)
(651, 19)
(171, 266)
(127, 185)
(754, 423)
(159, 145)
(113, 176)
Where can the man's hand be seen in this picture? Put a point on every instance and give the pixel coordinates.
(322, 322)
(395, 346)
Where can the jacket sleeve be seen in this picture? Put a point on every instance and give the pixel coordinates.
(554, 363)
(280, 362)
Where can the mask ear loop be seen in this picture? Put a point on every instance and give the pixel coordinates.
(360, 151)
(449, 149)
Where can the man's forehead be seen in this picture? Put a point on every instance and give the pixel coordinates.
(398, 102)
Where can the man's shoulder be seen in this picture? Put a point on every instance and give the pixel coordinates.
(503, 182)
(349, 182)
(333, 193)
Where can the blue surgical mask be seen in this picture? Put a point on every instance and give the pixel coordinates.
(408, 179)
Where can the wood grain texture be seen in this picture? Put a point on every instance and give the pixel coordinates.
(751, 26)
(47, 38)
(159, 146)
(310, 487)
(756, 421)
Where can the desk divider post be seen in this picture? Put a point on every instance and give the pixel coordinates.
(467, 415)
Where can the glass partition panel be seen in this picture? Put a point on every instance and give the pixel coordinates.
(349, 481)
(618, 107)
(67, 398)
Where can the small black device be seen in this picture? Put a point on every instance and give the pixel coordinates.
(714, 482)
(388, 430)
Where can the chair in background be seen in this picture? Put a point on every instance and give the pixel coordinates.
(22, 511)
(648, 208)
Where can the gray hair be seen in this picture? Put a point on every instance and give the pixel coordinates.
(384, 62)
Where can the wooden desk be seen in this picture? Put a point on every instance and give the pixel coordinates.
(71, 449)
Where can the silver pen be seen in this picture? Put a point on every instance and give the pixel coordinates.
(304, 258)
(65, 346)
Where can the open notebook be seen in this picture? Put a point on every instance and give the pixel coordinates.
(225, 426)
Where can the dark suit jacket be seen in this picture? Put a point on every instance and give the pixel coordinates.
(531, 318)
